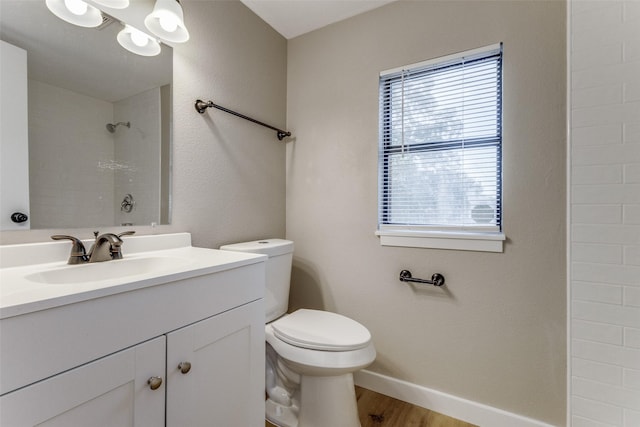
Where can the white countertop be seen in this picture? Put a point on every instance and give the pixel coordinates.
(21, 292)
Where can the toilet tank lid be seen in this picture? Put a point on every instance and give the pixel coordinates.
(270, 247)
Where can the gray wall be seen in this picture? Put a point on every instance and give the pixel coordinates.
(497, 333)
(228, 174)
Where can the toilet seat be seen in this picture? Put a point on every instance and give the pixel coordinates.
(321, 330)
(321, 363)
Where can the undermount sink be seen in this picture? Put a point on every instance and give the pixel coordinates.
(117, 269)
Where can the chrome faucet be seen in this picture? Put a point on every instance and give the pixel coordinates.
(105, 247)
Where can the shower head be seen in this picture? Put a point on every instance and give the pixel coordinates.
(111, 127)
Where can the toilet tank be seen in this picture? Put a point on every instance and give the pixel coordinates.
(280, 253)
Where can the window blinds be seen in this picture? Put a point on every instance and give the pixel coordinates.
(440, 143)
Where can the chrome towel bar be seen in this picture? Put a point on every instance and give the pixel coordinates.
(437, 279)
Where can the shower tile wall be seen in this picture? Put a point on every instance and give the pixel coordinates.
(81, 184)
(54, 129)
(605, 220)
(137, 152)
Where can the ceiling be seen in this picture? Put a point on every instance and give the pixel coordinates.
(292, 18)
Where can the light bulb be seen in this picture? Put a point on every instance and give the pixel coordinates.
(76, 12)
(77, 7)
(139, 38)
(138, 42)
(168, 23)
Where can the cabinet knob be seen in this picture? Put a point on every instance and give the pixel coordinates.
(154, 383)
(184, 367)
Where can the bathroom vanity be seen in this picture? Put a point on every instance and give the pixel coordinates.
(170, 335)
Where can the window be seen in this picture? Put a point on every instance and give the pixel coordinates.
(440, 161)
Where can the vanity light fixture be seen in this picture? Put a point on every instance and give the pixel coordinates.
(113, 4)
(167, 16)
(167, 21)
(138, 42)
(75, 12)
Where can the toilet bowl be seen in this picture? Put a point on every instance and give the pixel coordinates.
(311, 354)
(319, 351)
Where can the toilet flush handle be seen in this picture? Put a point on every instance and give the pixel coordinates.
(184, 367)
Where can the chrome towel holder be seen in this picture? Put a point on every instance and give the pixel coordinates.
(437, 279)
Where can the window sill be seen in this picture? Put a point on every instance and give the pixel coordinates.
(455, 240)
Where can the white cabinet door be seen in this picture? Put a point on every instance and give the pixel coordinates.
(225, 384)
(111, 391)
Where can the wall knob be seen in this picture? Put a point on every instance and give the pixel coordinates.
(154, 383)
(19, 217)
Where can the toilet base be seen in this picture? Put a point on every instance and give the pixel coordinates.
(281, 416)
(324, 401)
(328, 401)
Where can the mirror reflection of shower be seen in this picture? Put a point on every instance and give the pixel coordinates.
(111, 127)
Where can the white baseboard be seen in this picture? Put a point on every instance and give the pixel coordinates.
(447, 404)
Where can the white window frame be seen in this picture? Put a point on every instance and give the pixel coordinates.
(437, 237)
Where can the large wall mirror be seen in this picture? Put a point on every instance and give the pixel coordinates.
(99, 122)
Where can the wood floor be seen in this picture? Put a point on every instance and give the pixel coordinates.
(378, 410)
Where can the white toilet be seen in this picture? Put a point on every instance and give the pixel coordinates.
(311, 354)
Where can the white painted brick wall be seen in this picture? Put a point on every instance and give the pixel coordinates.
(605, 213)
(595, 252)
(632, 338)
(597, 135)
(632, 255)
(595, 411)
(631, 214)
(631, 418)
(597, 174)
(597, 292)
